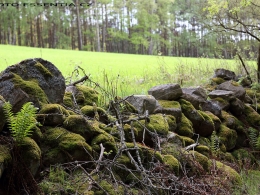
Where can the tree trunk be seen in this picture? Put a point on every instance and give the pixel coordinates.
(79, 27)
(97, 27)
(258, 65)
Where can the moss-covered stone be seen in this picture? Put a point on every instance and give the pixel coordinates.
(217, 80)
(80, 125)
(184, 128)
(172, 122)
(95, 112)
(169, 104)
(52, 114)
(5, 158)
(106, 140)
(229, 173)
(254, 95)
(73, 146)
(232, 122)
(200, 158)
(68, 99)
(86, 95)
(43, 70)
(207, 125)
(172, 163)
(215, 120)
(2, 115)
(158, 123)
(252, 116)
(203, 150)
(244, 156)
(31, 88)
(31, 154)
(227, 136)
(186, 141)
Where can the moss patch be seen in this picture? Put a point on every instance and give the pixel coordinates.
(31, 154)
(86, 95)
(252, 116)
(31, 88)
(203, 150)
(67, 99)
(186, 141)
(43, 70)
(172, 163)
(217, 80)
(169, 104)
(215, 120)
(229, 174)
(185, 128)
(172, 122)
(227, 136)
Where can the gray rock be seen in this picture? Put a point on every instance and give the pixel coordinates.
(237, 107)
(143, 102)
(239, 91)
(212, 106)
(196, 96)
(225, 94)
(35, 80)
(169, 108)
(225, 74)
(2, 118)
(221, 103)
(166, 92)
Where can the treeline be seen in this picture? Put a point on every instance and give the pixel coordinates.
(167, 27)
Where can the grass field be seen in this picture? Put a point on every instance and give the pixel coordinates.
(126, 73)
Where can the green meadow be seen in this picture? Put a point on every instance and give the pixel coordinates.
(124, 74)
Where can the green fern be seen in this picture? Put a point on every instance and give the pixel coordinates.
(214, 142)
(253, 134)
(22, 122)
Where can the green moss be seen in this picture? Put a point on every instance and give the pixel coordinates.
(232, 122)
(217, 80)
(158, 123)
(5, 156)
(172, 163)
(229, 173)
(253, 94)
(86, 95)
(185, 128)
(67, 99)
(107, 141)
(227, 136)
(207, 119)
(169, 104)
(186, 106)
(109, 188)
(31, 154)
(203, 150)
(214, 118)
(172, 122)
(186, 141)
(89, 111)
(234, 83)
(72, 144)
(130, 108)
(43, 70)
(31, 88)
(53, 108)
(200, 158)
(244, 156)
(252, 116)
(221, 100)
(80, 125)
(204, 141)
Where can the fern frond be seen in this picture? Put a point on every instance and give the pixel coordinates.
(22, 123)
(252, 134)
(214, 142)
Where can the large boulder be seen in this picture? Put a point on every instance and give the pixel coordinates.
(166, 92)
(239, 91)
(143, 102)
(225, 74)
(2, 118)
(35, 80)
(195, 95)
